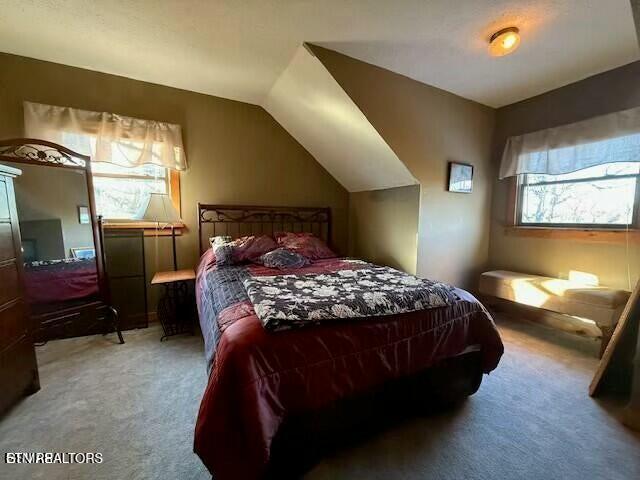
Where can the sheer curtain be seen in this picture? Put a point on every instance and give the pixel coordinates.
(605, 139)
(107, 137)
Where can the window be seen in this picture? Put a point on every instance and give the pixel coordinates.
(603, 196)
(120, 191)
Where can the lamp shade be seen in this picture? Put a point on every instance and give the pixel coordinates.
(158, 209)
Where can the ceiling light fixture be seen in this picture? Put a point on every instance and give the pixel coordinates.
(504, 41)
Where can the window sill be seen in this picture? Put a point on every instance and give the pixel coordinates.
(584, 234)
(150, 228)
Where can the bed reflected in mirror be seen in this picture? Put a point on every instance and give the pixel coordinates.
(57, 237)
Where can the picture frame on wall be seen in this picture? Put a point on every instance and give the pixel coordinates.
(460, 177)
(83, 214)
(83, 252)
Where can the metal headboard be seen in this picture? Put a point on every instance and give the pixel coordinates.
(239, 220)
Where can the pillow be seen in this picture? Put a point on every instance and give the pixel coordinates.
(283, 258)
(241, 249)
(306, 244)
(252, 247)
(223, 253)
(219, 240)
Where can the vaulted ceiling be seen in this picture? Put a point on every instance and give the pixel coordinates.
(239, 49)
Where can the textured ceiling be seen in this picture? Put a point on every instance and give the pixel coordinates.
(238, 48)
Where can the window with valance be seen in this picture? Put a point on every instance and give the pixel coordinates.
(131, 157)
(585, 174)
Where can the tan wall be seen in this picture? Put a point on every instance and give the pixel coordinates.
(54, 193)
(428, 127)
(612, 91)
(383, 226)
(237, 152)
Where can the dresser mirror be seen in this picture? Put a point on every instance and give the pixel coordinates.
(61, 238)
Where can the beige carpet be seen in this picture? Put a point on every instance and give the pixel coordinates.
(137, 404)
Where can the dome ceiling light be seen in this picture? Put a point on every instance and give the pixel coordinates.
(504, 42)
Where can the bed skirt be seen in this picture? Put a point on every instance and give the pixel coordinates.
(303, 440)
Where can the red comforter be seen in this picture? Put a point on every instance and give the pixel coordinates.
(61, 280)
(258, 378)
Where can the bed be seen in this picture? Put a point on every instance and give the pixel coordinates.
(276, 399)
(55, 281)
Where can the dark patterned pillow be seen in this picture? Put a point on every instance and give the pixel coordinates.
(224, 253)
(283, 258)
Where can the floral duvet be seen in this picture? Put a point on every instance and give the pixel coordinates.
(366, 290)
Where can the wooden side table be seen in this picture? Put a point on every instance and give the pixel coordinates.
(177, 306)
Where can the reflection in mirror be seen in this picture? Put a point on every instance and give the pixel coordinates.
(57, 237)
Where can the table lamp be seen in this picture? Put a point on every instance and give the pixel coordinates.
(160, 210)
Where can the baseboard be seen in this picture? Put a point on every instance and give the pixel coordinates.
(631, 418)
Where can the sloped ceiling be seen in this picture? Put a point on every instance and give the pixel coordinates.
(308, 102)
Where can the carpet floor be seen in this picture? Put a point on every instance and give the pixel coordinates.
(137, 403)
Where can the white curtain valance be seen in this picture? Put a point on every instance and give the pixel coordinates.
(605, 139)
(107, 137)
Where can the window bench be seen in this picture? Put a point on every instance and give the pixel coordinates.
(600, 304)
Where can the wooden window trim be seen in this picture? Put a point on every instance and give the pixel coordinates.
(150, 228)
(582, 233)
(174, 190)
(512, 202)
(609, 235)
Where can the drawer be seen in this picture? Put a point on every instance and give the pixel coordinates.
(123, 256)
(73, 324)
(7, 250)
(9, 286)
(13, 324)
(76, 323)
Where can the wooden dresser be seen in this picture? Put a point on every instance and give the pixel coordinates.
(18, 367)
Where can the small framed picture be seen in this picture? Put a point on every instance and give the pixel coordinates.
(460, 177)
(83, 252)
(83, 214)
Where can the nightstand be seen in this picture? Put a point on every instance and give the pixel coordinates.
(177, 305)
